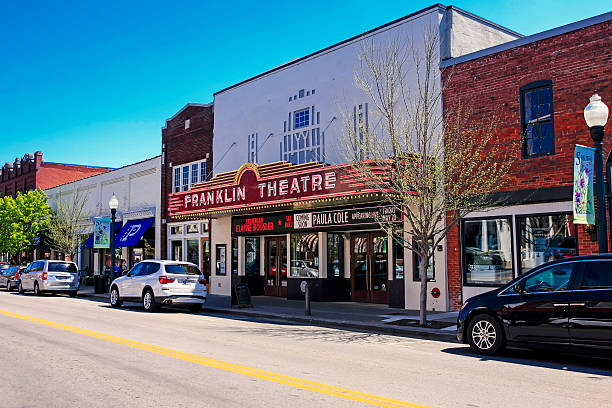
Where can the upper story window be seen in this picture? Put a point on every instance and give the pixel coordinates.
(177, 179)
(537, 119)
(202, 171)
(186, 175)
(185, 178)
(194, 173)
(301, 118)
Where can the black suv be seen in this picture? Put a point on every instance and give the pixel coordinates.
(567, 302)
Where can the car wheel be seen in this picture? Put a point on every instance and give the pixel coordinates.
(115, 300)
(485, 335)
(148, 301)
(72, 293)
(20, 288)
(37, 291)
(195, 308)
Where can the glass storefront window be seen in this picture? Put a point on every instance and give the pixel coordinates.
(398, 257)
(335, 255)
(176, 249)
(193, 251)
(487, 252)
(251, 258)
(234, 255)
(545, 238)
(205, 257)
(176, 230)
(305, 255)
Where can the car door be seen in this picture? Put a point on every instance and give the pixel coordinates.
(591, 305)
(126, 286)
(537, 307)
(138, 282)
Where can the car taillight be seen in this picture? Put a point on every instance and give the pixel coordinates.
(164, 279)
(44, 276)
(202, 280)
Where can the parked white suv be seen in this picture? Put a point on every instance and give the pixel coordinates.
(50, 276)
(155, 283)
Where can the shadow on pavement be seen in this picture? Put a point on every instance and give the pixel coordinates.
(586, 364)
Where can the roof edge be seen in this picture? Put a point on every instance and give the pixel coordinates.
(577, 25)
(485, 21)
(437, 6)
(188, 105)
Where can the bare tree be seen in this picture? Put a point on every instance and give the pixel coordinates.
(432, 167)
(67, 227)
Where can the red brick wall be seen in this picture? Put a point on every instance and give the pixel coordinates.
(30, 172)
(577, 62)
(180, 146)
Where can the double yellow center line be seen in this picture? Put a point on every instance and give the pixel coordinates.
(235, 368)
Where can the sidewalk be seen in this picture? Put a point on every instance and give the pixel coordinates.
(348, 315)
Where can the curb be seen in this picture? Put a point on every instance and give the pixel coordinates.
(420, 333)
(413, 332)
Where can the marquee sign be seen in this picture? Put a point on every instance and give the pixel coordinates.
(276, 183)
(282, 223)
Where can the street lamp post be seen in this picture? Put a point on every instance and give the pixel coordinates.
(596, 116)
(113, 204)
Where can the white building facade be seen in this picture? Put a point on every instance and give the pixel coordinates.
(138, 190)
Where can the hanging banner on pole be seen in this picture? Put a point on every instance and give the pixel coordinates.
(102, 227)
(584, 207)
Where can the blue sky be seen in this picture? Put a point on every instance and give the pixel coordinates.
(93, 82)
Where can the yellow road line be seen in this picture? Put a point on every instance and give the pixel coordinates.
(235, 368)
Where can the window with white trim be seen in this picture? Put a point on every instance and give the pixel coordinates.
(188, 174)
(177, 179)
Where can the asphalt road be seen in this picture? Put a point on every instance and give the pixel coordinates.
(63, 352)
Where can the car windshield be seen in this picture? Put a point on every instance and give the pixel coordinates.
(10, 271)
(182, 269)
(62, 267)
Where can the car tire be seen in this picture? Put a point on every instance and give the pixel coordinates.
(148, 301)
(20, 288)
(37, 291)
(113, 297)
(195, 308)
(485, 335)
(72, 293)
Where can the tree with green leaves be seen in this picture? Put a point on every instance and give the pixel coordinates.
(66, 227)
(22, 219)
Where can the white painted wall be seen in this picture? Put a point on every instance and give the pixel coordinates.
(221, 229)
(137, 187)
(261, 106)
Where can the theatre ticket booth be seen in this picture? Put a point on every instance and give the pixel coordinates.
(284, 224)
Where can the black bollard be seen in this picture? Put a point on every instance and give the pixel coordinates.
(307, 298)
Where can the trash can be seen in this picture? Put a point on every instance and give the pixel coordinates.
(99, 284)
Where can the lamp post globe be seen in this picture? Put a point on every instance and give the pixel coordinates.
(596, 115)
(113, 204)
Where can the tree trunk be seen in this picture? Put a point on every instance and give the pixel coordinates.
(423, 264)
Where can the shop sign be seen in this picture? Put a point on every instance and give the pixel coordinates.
(249, 189)
(584, 208)
(282, 223)
(102, 227)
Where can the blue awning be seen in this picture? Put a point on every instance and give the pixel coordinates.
(132, 232)
(89, 243)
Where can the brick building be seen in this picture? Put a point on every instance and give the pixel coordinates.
(539, 86)
(187, 159)
(31, 171)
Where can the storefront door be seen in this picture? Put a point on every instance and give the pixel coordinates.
(276, 266)
(369, 268)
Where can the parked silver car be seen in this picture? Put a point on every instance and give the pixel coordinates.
(155, 283)
(50, 276)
